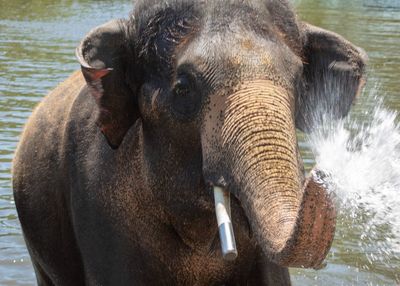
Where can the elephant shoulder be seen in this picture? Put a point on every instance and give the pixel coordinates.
(47, 123)
(44, 136)
(69, 101)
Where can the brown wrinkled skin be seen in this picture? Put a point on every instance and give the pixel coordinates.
(112, 177)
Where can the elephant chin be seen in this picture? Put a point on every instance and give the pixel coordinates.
(293, 224)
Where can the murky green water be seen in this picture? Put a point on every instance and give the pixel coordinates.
(37, 42)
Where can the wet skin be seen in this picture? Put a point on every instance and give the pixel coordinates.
(113, 174)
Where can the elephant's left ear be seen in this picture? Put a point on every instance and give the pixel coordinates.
(105, 59)
(334, 74)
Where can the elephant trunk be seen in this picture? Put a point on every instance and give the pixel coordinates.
(293, 224)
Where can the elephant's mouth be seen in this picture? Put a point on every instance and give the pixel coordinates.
(311, 236)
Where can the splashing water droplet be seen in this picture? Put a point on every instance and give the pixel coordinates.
(359, 160)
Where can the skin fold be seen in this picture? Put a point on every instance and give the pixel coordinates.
(114, 172)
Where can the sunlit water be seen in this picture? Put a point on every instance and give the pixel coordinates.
(37, 42)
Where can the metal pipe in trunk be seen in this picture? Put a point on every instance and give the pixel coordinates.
(226, 235)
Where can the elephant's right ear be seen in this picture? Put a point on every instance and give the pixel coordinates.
(104, 56)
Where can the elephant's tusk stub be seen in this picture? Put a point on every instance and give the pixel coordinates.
(226, 235)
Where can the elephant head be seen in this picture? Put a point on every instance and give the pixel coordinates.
(219, 90)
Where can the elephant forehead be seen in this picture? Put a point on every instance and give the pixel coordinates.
(236, 39)
(241, 55)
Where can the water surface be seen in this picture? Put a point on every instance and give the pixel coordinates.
(37, 45)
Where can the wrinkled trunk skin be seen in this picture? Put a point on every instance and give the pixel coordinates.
(293, 224)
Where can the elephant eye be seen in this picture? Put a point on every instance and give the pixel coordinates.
(185, 99)
(182, 87)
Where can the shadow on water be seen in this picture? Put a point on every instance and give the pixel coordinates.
(37, 45)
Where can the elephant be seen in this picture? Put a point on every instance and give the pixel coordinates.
(114, 173)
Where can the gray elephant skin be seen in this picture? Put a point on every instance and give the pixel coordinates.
(114, 172)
